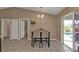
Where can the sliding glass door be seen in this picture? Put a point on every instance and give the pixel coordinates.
(68, 31)
(76, 30)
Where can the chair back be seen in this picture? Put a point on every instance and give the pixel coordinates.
(44, 32)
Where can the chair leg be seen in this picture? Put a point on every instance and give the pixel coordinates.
(31, 42)
(39, 45)
(48, 43)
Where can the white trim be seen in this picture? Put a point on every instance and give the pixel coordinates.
(54, 39)
(73, 32)
(62, 24)
(68, 14)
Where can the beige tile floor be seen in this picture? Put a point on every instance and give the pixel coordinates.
(24, 45)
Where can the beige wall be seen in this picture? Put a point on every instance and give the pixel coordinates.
(49, 22)
(64, 12)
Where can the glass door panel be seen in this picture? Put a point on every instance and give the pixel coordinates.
(68, 30)
(76, 30)
(68, 33)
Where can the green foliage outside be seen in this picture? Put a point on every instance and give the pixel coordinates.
(67, 28)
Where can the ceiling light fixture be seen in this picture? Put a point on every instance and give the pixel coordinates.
(40, 15)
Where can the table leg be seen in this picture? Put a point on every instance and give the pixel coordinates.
(49, 39)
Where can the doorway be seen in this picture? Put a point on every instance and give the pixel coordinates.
(67, 31)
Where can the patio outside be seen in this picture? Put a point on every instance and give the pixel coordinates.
(68, 33)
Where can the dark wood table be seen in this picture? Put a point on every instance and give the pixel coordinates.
(40, 39)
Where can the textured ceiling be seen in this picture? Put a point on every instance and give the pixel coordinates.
(48, 10)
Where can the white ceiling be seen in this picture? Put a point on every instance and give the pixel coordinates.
(48, 10)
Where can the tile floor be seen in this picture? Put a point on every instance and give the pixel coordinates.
(24, 45)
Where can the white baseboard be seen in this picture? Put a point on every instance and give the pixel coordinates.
(54, 39)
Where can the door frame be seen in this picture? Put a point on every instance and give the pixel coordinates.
(62, 29)
(26, 19)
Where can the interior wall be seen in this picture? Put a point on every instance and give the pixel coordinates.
(49, 22)
(0, 28)
(64, 12)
